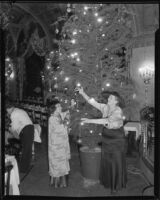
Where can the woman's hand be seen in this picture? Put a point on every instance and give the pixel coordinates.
(79, 89)
(85, 120)
(67, 112)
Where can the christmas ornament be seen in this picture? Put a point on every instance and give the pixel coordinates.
(57, 31)
(79, 141)
(56, 86)
(68, 10)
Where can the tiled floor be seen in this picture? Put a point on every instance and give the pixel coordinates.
(37, 181)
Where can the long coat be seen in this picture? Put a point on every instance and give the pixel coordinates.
(58, 146)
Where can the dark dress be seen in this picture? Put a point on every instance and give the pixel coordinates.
(113, 173)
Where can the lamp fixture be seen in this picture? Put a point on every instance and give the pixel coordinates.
(146, 73)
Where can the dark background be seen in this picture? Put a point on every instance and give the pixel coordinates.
(34, 66)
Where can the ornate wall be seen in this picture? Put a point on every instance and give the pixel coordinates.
(141, 50)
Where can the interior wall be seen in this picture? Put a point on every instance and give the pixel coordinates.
(142, 56)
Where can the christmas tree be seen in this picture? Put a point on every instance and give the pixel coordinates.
(92, 54)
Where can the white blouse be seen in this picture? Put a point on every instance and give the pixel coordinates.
(114, 118)
(19, 119)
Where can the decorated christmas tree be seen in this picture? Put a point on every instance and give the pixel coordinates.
(92, 54)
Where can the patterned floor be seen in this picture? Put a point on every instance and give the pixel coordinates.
(37, 181)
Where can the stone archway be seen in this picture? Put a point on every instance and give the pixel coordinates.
(37, 19)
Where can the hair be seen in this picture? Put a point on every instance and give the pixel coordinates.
(120, 100)
(9, 105)
(53, 106)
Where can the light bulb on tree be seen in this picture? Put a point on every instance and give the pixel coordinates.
(78, 85)
(72, 55)
(75, 32)
(85, 7)
(99, 20)
(79, 141)
(7, 59)
(108, 84)
(124, 117)
(12, 75)
(57, 31)
(66, 79)
(73, 41)
(68, 9)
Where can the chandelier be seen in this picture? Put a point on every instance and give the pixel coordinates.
(5, 8)
(146, 73)
(9, 72)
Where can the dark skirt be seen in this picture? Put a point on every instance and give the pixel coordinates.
(26, 138)
(113, 173)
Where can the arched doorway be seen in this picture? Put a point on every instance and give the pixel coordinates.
(33, 84)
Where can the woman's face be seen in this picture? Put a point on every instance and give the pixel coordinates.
(112, 100)
(9, 110)
(58, 107)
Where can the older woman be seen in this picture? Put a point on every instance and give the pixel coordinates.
(113, 173)
(58, 146)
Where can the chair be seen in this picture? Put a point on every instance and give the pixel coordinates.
(133, 126)
(13, 148)
(38, 117)
(44, 119)
(133, 133)
(30, 113)
(8, 168)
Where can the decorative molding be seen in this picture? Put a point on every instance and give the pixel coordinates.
(37, 18)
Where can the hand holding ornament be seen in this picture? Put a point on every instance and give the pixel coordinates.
(79, 89)
(85, 120)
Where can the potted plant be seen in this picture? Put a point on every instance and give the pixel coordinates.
(90, 151)
(88, 138)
